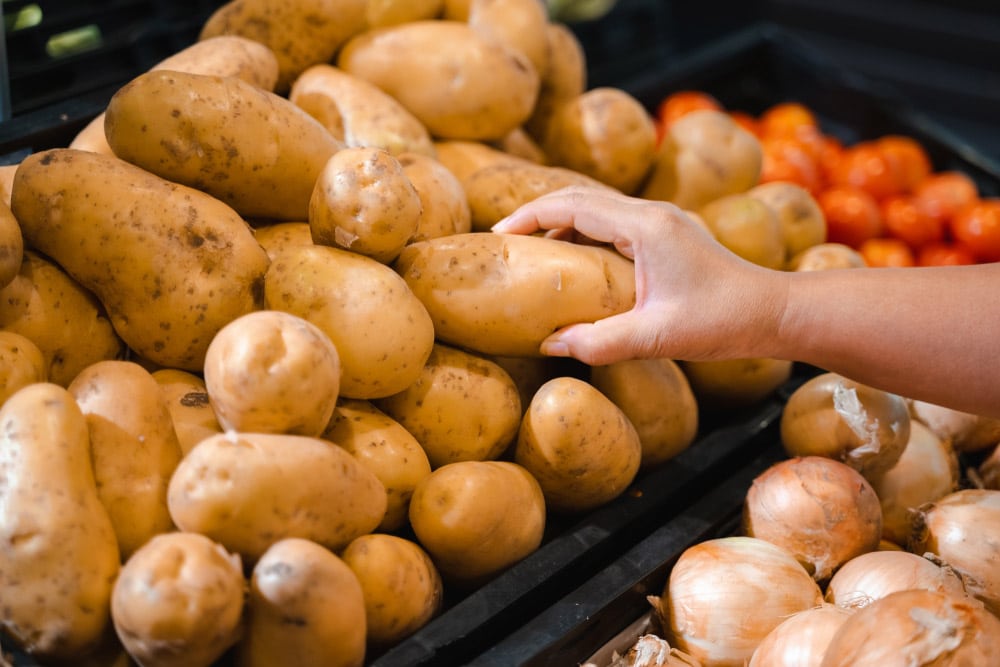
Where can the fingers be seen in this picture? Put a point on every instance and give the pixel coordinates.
(607, 341)
(601, 215)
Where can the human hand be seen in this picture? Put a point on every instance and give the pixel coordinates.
(695, 299)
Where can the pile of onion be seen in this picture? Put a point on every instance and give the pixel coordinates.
(873, 576)
(801, 639)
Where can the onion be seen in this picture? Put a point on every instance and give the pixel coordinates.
(989, 470)
(874, 575)
(821, 511)
(653, 651)
(966, 432)
(801, 639)
(963, 530)
(916, 628)
(927, 470)
(725, 595)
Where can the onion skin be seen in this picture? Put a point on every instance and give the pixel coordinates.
(873, 576)
(821, 511)
(801, 639)
(966, 432)
(916, 628)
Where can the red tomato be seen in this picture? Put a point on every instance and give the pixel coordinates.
(864, 166)
(944, 254)
(907, 221)
(852, 215)
(907, 160)
(941, 194)
(887, 252)
(683, 102)
(786, 119)
(787, 159)
(977, 226)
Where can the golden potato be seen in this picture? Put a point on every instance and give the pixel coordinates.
(276, 237)
(179, 601)
(580, 446)
(382, 445)
(736, 382)
(462, 407)
(476, 518)
(392, 12)
(248, 490)
(190, 410)
(172, 265)
(382, 332)
(401, 586)
(520, 25)
(519, 143)
(444, 208)
(803, 224)
(564, 79)
(358, 113)
(363, 202)
(60, 317)
(134, 448)
(826, 256)
(11, 246)
(530, 373)
(747, 226)
(464, 158)
(306, 608)
(456, 10)
(7, 172)
(476, 88)
(272, 372)
(60, 557)
(248, 147)
(21, 364)
(504, 293)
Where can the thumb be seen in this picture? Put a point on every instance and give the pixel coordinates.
(606, 341)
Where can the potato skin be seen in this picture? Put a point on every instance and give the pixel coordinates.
(248, 147)
(803, 224)
(21, 364)
(11, 246)
(474, 89)
(476, 518)
(444, 208)
(247, 490)
(747, 226)
(504, 293)
(518, 24)
(179, 601)
(736, 382)
(171, 265)
(58, 554)
(134, 447)
(190, 410)
(276, 237)
(563, 80)
(306, 608)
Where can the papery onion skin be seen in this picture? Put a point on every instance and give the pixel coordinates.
(725, 595)
(801, 639)
(963, 530)
(821, 511)
(916, 628)
(927, 470)
(875, 575)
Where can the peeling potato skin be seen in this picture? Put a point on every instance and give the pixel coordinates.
(172, 265)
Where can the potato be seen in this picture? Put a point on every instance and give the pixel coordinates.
(382, 445)
(190, 410)
(604, 133)
(134, 448)
(248, 147)
(179, 601)
(247, 490)
(272, 372)
(301, 33)
(392, 12)
(476, 88)
(503, 293)
(60, 317)
(401, 586)
(657, 399)
(580, 446)
(382, 332)
(363, 202)
(476, 518)
(519, 143)
(21, 364)
(803, 224)
(462, 407)
(747, 226)
(826, 256)
(496, 191)
(464, 158)
(278, 236)
(530, 373)
(736, 382)
(456, 10)
(520, 25)
(11, 246)
(7, 172)
(59, 554)
(358, 112)
(704, 155)
(306, 608)
(564, 79)
(444, 208)
(171, 265)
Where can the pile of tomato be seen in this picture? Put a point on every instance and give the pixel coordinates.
(880, 196)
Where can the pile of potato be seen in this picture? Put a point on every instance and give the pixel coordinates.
(269, 383)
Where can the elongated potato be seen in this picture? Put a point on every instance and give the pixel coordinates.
(563, 80)
(58, 315)
(518, 24)
(503, 293)
(21, 364)
(171, 265)
(382, 332)
(306, 608)
(134, 448)
(246, 146)
(248, 490)
(465, 158)
(476, 88)
(392, 12)
(444, 208)
(59, 554)
(190, 410)
(179, 601)
(357, 112)
(11, 245)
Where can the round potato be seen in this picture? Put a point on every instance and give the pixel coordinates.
(803, 224)
(444, 208)
(402, 588)
(11, 246)
(518, 24)
(272, 372)
(826, 256)
(191, 412)
(580, 446)
(476, 518)
(462, 407)
(747, 226)
(736, 382)
(382, 445)
(179, 601)
(278, 236)
(564, 78)
(21, 364)
(7, 172)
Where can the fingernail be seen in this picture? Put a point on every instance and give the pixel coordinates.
(500, 226)
(555, 348)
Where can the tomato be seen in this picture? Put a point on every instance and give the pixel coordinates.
(830, 151)
(907, 221)
(944, 254)
(786, 119)
(864, 166)
(942, 194)
(887, 252)
(786, 159)
(907, 160)
(683, 102)
(977, 226)
(852, 215)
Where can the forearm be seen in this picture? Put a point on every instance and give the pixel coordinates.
(928, 334)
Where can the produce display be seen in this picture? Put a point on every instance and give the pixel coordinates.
(272, 391)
